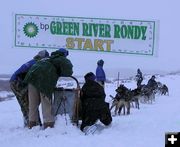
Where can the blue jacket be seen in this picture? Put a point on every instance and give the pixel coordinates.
(100, 74)
(21, 72)
(44, 74)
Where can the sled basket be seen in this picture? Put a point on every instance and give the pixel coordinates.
(66, 98)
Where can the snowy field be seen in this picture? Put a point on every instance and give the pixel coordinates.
(142, 128)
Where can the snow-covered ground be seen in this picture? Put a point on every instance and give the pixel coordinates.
(142, 128)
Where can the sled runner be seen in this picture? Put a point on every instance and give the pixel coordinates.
(90, 129)
(94, 129)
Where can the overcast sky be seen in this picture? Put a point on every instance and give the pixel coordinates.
(167, 12)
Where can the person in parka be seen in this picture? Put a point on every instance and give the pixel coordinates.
(100, 74)
(152, 83)
(139, 78)
(93, 103)
(19, 88)
(42, 79)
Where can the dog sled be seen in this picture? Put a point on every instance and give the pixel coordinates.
(66, 98)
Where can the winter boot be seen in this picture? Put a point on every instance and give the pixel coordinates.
(32, 124)
(49, 124)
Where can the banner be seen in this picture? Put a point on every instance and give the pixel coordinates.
(90, 34)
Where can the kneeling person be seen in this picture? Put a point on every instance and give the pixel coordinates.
(94, 106)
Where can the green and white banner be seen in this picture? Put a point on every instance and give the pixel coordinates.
(92, 34)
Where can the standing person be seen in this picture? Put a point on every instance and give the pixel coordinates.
(152, 83)
(139, 78)
(42, 79)
(100, 74)
(94, 106)
(19, 88)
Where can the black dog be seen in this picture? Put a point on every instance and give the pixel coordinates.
(164, 90)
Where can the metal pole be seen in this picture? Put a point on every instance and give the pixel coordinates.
(118, 80)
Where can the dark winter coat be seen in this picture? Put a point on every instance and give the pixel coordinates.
(100, 74)
(92, 96)
(45, 73)
(139, 76)
(94, 106)
(152, 84)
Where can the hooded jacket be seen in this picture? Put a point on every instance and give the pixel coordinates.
(45, 73)
(20, 74)
(93, 96)
(100, 74)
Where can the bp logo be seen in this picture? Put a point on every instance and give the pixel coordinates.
(30, 29)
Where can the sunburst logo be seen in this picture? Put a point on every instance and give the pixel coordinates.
(30, 29)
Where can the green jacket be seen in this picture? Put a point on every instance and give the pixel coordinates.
(45, 73)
